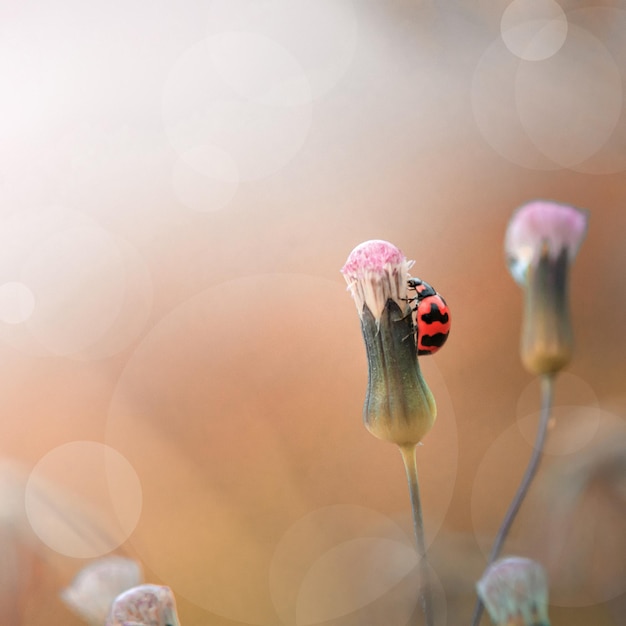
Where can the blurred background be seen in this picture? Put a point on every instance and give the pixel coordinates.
(182, 369)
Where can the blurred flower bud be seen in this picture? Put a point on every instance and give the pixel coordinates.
(96, 586)
(541, 242)
(146, 605)
(399, 406)
(515, 592)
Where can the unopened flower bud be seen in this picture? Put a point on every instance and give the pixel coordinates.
(515, 592)
(541, 242)
(96, 586)
(146, 605)
(399, 406)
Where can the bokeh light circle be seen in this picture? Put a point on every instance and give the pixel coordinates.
(241, 97)
(205, 178)
(580, 530)
(321, 34)
(495, 109)
(83, 499)
(349, 564)
(17, 302)
(569, 104)
(608, 25)
(569, 430)
(78, 276)
(503, 465)
(135, 309)
(574, 418)
(354, 575)
(495, 483)
(90, 292)
(569, 389)
(258, 69)
(564, 111)
(217, 381)
(533, 30)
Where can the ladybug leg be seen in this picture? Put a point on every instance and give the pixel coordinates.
(414, 332)
(410, 313)
(416, 299)
(412, 335)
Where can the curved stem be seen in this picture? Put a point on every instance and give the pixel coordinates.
(410, 465)
(547, 389)
(531, 470)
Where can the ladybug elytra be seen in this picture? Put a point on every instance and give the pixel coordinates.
(432, 317)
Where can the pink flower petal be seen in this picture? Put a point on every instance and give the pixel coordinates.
(149, 605)
(540, 224)
(377, 271)
(372, 256)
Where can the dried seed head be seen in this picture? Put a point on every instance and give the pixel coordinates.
(514, 591)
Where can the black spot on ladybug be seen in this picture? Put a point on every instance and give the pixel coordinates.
(435, 341)
(435, 315)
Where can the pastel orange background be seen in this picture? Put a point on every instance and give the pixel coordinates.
(180, 185)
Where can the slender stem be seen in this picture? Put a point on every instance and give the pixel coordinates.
(531, 470)
(410, 465)
(547, 389)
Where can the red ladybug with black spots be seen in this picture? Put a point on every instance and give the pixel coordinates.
(432, 317)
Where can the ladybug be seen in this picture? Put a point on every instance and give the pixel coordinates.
(432, 317)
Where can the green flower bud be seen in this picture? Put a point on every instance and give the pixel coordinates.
(547, 339)
(399, 406)
(542, 241)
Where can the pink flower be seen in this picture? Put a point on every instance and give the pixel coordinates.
(377, 271)
(515, 592)
(146, 605)
(543, 226)
(541, 242)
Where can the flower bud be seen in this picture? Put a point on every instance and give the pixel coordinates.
(515, 592)
(96, 586)
(399, 406)
(542, 240)
(146, 605)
